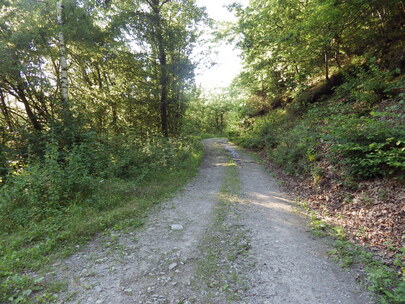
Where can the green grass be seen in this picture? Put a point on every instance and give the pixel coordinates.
(125, 204)
(224, 243)
(387, 283)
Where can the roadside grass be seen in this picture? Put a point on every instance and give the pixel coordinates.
(386, 283)
(125, 205)
(224, 243)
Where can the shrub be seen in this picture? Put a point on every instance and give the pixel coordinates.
(263, 133)
(367, 146)
(296, 149)
(366, 85)
(45, 188)
(252, 137)
(39, 190)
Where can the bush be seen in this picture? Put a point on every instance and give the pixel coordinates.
(43, 189)
(39, 190)
(367, 146)
(296, 149)
(256, 136)
(51, 204)
(366, 85)
(263, 133)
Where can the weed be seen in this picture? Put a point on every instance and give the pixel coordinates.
(61, 229)
(366, 146)
(382, 280)
(224, 243)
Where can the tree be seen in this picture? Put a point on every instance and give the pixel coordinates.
(63, 78)
(166, 31)
(286, 43)
(77, 66)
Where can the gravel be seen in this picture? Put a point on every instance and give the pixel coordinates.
(155, 264)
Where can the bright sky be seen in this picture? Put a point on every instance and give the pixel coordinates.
(228, 63)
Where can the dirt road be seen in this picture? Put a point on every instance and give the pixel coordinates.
(212, 245)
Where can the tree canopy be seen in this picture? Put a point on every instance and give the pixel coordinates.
(286, 43)
(127, 63)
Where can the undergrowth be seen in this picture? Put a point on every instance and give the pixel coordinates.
(50, 207)
(349, 130)
(386, 282)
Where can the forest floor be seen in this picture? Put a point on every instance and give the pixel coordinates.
(231, 236)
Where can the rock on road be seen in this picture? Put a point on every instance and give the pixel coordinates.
(158, 262)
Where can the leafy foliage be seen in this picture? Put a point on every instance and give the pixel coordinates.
(368, 85)
(42, 188)
(326, 102)
(286, 44)
(66, 199)
(349, 131)
(72, 161)
(212, 112)
(370, 147)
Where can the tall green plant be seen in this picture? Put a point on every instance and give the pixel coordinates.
(368, 146)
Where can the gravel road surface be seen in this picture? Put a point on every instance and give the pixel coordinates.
(163, 262)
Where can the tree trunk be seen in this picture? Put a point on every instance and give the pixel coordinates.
(163, 81)
(31, 116)
(326, 64)
(5, 112)
(221, 121)
(337, 60)
(63, 64)
(156, 7)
